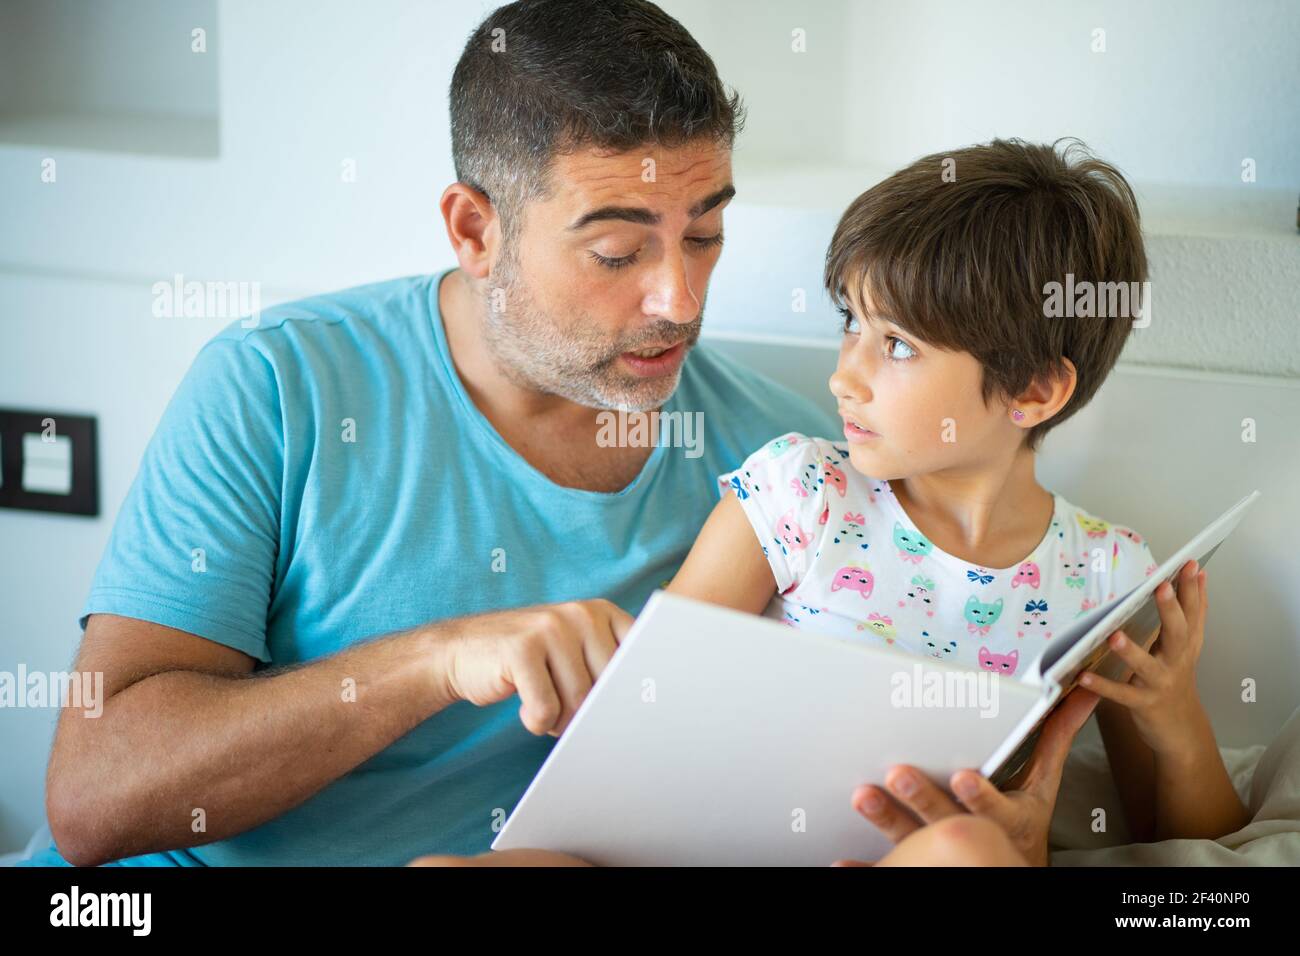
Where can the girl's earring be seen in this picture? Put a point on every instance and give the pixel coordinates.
(1018, 415)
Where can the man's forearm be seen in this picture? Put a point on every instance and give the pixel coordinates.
(242, 750)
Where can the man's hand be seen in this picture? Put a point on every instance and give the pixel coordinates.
(550, 655)
(1024, 811)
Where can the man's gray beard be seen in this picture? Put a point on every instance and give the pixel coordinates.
(573, 363)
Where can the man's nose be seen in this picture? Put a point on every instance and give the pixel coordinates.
(671, 296)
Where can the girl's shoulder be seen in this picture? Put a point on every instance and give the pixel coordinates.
(807, 466)
(1114, 551)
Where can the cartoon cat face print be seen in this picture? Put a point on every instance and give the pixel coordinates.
(1075, 570)
(911, 544)
(854, 577)
(979, 615)
(920, 595)
(881, 626)
(779, 446)
(833, 476)
(1093, 527)
(789, 535)
(939, 650)
(1027, 574)
(851, 530)
(1035, 620)
(999, 663)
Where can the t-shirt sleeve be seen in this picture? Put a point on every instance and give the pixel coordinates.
(195, 543)
(782, 490)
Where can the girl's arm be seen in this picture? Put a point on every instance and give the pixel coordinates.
(726, 565)
(1181, 795)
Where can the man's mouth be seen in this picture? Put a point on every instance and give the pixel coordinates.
(655, 360)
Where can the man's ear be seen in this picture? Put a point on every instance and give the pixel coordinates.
(473, 228)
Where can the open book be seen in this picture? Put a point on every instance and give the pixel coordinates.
(717, 737)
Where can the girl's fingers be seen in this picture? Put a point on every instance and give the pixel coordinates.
(1205, 609)
(882, 811)
(1126, 695)
(1173, 625)
(1189, 590)
(1149, 668)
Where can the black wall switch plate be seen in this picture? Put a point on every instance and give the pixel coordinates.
(48, 462)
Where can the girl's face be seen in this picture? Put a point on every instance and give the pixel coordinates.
(918, 407)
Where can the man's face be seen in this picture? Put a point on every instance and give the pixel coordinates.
(921, 405)
(616, 260)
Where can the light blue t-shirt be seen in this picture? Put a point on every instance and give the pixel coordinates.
(310, 543)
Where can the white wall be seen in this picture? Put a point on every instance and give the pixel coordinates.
(303, 86)
(1184, 92)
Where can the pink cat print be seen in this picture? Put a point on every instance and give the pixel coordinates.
(854, 578)
(1027, 573)
(999, 663)
(790, 534)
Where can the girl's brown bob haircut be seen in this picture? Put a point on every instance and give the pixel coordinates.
(961, 250)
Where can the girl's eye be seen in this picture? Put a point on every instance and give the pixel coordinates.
(615, 262)
(895, 356)
(850, 321)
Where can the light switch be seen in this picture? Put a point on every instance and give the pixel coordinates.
(49, 461)
(47, 464)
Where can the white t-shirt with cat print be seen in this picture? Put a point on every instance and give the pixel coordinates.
(849, 562)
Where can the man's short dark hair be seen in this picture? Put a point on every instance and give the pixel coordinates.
(543, 77)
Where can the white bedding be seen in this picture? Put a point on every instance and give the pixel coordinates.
(1266, 777)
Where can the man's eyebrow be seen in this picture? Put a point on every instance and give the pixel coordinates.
(644, 217)
(704, 205)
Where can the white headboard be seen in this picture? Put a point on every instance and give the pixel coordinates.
(1163, 451)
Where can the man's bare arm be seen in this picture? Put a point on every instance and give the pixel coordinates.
(186, 725)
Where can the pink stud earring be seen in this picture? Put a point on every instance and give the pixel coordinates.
(1018, 415)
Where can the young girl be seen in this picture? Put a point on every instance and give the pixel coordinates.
(924, 527)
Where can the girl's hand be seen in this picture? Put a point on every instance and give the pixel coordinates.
(1024, 810)
(1161, 693)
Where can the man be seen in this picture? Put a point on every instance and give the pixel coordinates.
(381, 544)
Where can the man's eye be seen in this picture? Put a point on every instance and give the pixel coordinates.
(614, 262)
(705, 242)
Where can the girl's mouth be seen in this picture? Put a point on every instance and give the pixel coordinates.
(856, 434)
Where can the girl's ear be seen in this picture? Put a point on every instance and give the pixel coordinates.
(1047, 394)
